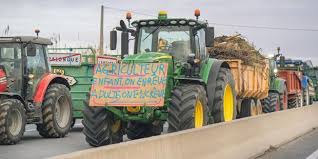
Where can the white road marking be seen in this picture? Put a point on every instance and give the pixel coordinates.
(314, 155)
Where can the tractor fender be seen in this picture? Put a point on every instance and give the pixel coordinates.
(211, 74)
(12, 95)
(47, 80)
(278, 86)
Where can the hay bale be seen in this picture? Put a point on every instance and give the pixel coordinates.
(236, 47)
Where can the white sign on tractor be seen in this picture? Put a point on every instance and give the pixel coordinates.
(64, 59)
(106, 59)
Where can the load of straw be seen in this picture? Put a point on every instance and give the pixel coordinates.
(236, 47)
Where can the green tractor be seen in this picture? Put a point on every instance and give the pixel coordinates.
(198, 90)
(277, 98)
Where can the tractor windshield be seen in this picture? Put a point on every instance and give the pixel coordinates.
(166, 39)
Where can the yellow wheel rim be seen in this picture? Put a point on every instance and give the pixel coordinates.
(228, 103)
(198, 114)
(116, 126)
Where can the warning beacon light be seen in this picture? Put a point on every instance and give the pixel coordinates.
(162, 15)
(197, 13)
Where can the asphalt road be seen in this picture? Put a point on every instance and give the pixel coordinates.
(304, 147)
(33, 146)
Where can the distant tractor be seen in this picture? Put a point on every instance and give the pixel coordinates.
(170, 78)
(277, 98)
(296, 82)
(29, 93)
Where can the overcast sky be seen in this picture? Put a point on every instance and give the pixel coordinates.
(77, 21)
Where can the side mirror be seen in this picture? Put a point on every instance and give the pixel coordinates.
(113, 39)
(209, 37)
(31, 50)
(124, 43)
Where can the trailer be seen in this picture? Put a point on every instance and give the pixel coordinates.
(251, 86)
(77, 65)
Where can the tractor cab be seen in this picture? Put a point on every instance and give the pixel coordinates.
(29, 93)
(185, 40)
(23, 59)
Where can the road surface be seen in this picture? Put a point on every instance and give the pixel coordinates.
(304, 147)
(33, 146)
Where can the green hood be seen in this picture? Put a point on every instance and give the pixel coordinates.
(147, 57)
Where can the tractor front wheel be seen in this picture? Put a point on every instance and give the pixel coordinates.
(188, 108)
(12, 121)
(56, 112)
(100, 128)
(137, 130)
(271, 103)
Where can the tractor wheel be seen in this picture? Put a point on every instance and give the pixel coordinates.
(248, 108)
(99, 127)
(307, 97)
(188, 108)
(56, 112)
(224, 108)
(311, 100)
(283, 98)
(136, 130)
(12, 121)
(259, 106)
(293, 103)
(271, 103)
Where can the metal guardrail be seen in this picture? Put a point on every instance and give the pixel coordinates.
(244, 138)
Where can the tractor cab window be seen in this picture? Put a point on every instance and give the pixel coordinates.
(166, 39)
(37, 66)
(10, 59)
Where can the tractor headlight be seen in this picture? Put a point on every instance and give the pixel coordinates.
(275, 70)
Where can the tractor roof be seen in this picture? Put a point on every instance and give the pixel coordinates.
(25, 39)
(172, 21)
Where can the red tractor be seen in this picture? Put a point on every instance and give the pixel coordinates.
(29, 93)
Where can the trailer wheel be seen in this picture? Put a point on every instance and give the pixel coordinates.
(224, 108)
(307, 97)
(284, 99)
(271, 103)
(248, 108)
(259, 106)
(188, 108)
(136, 130)
(99, 127)
(56, 112)
(12, 121)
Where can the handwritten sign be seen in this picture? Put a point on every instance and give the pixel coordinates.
(64, 59)
(106, 59)
(138, 84)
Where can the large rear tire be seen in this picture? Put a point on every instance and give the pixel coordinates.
(224, 108)
(271, 103)
(56, 112)
(12, 121)
(188, 108)
(100, 128)
(136, 130)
